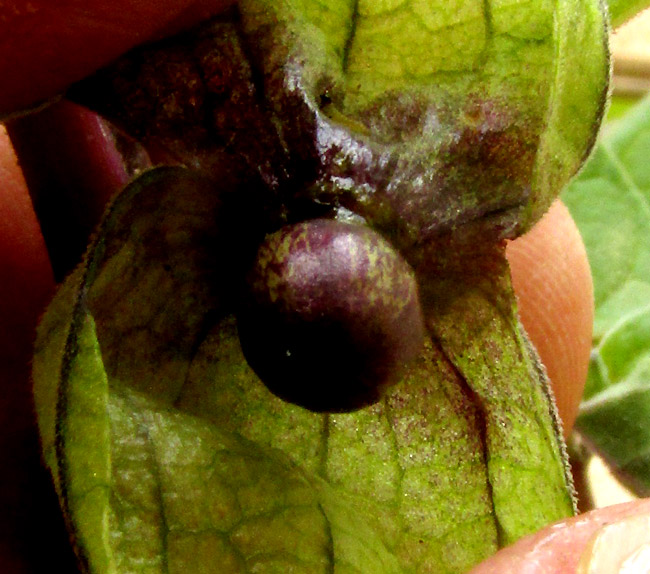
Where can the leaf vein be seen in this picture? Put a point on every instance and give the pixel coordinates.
(626, 177)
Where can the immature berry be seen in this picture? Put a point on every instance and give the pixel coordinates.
(331, 315)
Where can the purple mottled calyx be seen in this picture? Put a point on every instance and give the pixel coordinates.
(331, 315)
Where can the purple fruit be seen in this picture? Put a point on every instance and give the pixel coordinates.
(331, 315)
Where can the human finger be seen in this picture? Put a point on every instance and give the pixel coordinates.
(597, 542)
(48, 45)
(29, 515)
(552, 281)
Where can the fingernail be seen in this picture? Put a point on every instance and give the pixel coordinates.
(621, 547)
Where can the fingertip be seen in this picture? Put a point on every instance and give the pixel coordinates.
(26, 285)
(26, 276)
(29, 517)
(552, 280)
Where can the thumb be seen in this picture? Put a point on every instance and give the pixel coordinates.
(598, 542)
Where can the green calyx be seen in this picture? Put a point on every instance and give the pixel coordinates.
(426, 118)
(169, 452)
(444, 127)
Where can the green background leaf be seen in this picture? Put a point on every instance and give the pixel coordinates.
(610, 202)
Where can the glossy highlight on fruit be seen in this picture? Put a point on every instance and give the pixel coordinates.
(331, 315)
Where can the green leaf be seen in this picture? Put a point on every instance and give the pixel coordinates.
(610, 202)
(170, 455)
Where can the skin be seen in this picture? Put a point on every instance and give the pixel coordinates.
(45, 46)
(40, 36)
(26, 511)
(551, 277)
